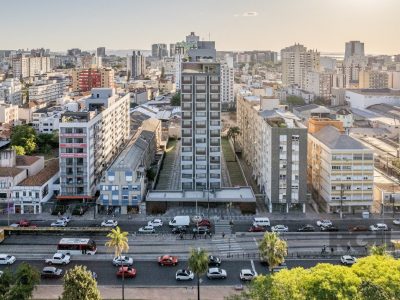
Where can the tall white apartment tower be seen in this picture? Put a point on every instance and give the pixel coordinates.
(201, 126)
(227, 82)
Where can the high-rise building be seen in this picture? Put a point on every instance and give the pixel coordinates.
(159, 51)
(354, 49)
(370, 79)
(136, 65)
(297, 61)
(203, 50)
(319, 83)
(84, 80)
(74, 52)
(25, 66)
(192, 39)
(227, 84)
(171, 50)
(101, 52)
(90, 140)
(201, 126)
(274, 144)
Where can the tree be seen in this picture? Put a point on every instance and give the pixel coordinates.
(24, 136)
(19, 285)
(377, 250)
(289, 284)
(294, 100)
(233, 132)
(47, 141)
(176, 99)
(19, 150)
(372, 291)
(198, 263)
(119, 241)
(272, 249)
(79, 284)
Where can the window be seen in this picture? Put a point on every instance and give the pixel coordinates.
(111, 177)
(128, 178)
(125, 197)
(125, 188)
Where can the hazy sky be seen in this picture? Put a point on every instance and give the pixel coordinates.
(234, 24)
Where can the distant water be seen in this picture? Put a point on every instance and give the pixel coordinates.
(335, 55)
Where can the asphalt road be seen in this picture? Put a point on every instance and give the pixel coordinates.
(149, 273)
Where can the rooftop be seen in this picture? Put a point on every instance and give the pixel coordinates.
(10, 171)
(332, 138)
(25, 160)
(376, 92)
(50, 169)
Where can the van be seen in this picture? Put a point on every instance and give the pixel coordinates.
(180, 221)
(264, 222)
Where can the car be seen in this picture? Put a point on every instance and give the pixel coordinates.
(24, 223)
(58, 223)
(14, 225)
(201, 230)
(109, 223)
(179, 229)
(214, 261)
(330, 228)
(379, 227)
(348, 260)
(59, 259)
(155, 223)
(6, 259)
(183, 274)
(257, 229)
(216, 273)
(122, 260)
(247, 274)
(51, 272)
(324, 223)
(205, 223)
(147, 229)
(66, 219)
(196, 219)
(127, 272)
(358, 228)
(279, 228)
(396, 221)
(281, 267)
(306, 228)
(168, 260)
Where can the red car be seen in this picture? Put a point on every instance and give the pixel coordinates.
(257, 229)
(128, 272)
(24, 223)
(167, 260)
(204, 223)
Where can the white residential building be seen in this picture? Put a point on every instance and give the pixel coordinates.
(46, 91)
(320, 84)
(366, 97)
(227, 84)
(8, 114)
(11, 91)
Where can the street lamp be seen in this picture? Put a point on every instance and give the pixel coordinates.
(341, 199)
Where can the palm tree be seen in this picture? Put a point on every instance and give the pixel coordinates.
(198, 263)
(233, 132)
(119, 241)
(272, 249)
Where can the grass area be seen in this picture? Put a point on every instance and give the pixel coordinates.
(52, 154)
(233, 166)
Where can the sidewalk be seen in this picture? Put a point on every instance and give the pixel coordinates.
(49, 292)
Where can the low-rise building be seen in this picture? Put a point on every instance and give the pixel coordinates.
(11, 91)
(8, 114)
(46, 91)
(363, 98)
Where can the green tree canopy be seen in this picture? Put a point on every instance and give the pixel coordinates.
(294, 100)
(198, 264)
(176, 99)
(272, 249)
(24, 136)
(19, 150)
(79, 284)
(289, 284)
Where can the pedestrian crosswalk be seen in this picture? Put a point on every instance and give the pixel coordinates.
(227, 246)
(222, 227)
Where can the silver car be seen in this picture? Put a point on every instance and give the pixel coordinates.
(216, 273)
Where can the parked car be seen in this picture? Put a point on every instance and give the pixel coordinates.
(51, 272)
(122, 260)
(168, 260)
(205, 223)
(279, 228)
(348, 260)
(358, 228)
(179, 229)
(324, 223)
(59, 223)
(214, 261)
(184, 274)
(6, 259)
(201, 230)
(128, 272)
(109, 223)
(155, 223)
(24, 223)
(66, 219)
(306, 228)
(330, 228)
(396, 221)
(59, 259)
(379, 227)
(216, 273)
(257, 229)
(147, 229)
(247, 274)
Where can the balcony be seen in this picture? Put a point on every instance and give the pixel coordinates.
(215, 98)
(215, 89)
(186, 124)
(186, 116)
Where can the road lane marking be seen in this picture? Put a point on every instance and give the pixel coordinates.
(255, 241)
(252, 266)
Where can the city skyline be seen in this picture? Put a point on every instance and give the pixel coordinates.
(59, 26)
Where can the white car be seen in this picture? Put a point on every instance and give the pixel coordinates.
(378, 227)
(324, 223)
(396, 221)
(123, 260)
(15, 225)
(58, 223)
(155, 223)
(279, 228)
(247, 274)
(217, 273)
(109, 223)
(348, 260)
(59, 259)
(66, 219)
(147, 229)
(184, 275)
(6, 259)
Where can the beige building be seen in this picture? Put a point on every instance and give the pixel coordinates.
(320, 84)
(8, 113)
(369, 79)
(340, 168)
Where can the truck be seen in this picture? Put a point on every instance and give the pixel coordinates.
(180, 221)
(59, 259)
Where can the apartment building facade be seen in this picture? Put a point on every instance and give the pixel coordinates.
(47, 90)
(84, 80)
(136, 65)
(201, 126)
(340, 168)
(274, 144)
(8, 114)
(227, 85)
(11, 91)
(369, 79)
(89, 140)
(320, 84)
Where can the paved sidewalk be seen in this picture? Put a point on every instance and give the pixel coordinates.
(47, 292)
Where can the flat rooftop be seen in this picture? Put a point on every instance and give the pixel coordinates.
(376, 92)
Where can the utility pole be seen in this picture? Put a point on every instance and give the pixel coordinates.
(341, 199)
(392, 200)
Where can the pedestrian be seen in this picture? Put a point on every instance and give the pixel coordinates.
(332, 250)
(210, 234)
(223, 235)
(194, 236)
(205, 235)
(181, 235)
(348, 248)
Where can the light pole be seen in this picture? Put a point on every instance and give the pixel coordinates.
(341, 200)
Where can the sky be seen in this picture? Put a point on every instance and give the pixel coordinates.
(324, 25)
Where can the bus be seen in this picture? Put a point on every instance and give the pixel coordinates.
(76, 246)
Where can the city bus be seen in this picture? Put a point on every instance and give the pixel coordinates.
(74, 246)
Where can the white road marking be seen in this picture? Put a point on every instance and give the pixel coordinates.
(252, 266)
(255, 241)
